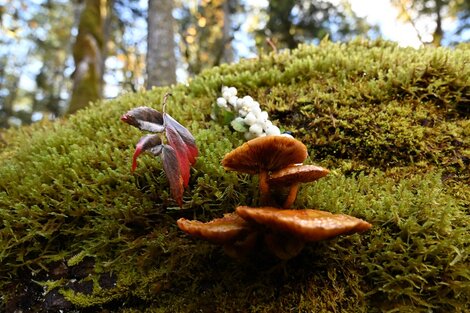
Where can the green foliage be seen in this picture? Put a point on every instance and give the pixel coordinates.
(391, 123)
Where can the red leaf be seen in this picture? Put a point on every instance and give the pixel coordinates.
(173, 173)
(177, 143)
(185, 134)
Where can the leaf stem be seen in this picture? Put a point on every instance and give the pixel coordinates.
(168, 94)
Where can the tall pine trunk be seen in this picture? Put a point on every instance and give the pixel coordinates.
(227, 37)
(161, 60)
(88, 55)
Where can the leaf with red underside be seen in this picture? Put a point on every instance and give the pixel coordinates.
(150, 143)
(177, 143)
(187, 137)
(173, 173)
(144, 118)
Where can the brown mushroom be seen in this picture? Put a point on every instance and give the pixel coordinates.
(288, 230)
(264, 154)
(220, 230)
(231, 231)
(292, 176)
(307, 225)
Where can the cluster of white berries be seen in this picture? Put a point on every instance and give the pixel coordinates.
(250, 120)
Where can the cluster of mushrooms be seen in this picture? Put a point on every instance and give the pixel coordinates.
(277, 160)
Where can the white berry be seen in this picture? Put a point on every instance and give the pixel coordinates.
(221, 102)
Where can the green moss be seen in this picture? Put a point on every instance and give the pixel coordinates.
(391, 123)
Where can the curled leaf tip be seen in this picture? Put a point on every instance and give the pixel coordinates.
(125, 118)
(137, 152)
(149, 143)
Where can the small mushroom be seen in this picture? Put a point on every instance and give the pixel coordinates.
(292, 176)
(220, 230)
(231, 231)
(306, 225)
(263, 155)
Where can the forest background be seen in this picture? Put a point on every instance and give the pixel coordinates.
(57, 56)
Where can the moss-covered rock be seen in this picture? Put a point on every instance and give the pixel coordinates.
(78, 231)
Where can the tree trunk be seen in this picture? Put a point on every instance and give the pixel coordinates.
(161, 60)
(227, 56)
(88, 55)
(438, 32)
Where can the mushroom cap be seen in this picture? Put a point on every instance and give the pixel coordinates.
(268, 153)
(307, 225)
(297, 174)
(222, 230)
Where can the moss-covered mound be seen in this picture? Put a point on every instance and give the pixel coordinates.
(79, 232)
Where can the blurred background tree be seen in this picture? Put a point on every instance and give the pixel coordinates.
(436, 11)
(89, 52)
(206, 31)
(58, 55)
(290, 22)
(36, 43)
(55, 55)
(161, 59)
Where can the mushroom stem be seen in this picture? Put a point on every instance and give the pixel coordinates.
(291, 196)
(264, 187)
(283, 246)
